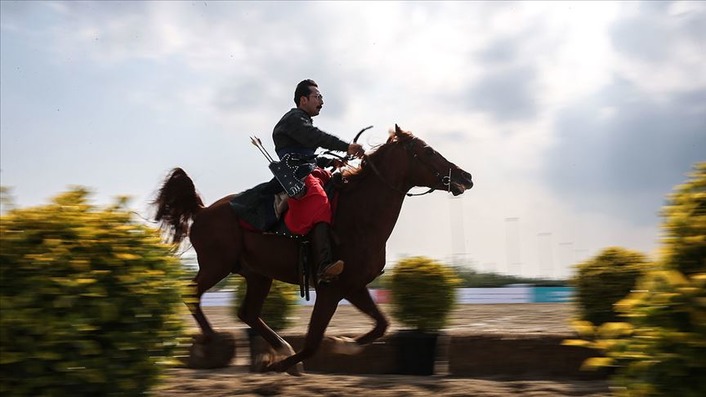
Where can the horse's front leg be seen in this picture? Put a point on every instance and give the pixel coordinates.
(212, 270)
(324, 308)
(362, 300)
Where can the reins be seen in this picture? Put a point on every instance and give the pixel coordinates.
(445, 180)
(390, 185)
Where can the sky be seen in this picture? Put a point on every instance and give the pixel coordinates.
(576, 119)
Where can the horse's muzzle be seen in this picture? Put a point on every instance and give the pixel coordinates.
(460, 182)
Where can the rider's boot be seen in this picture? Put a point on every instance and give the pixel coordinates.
(328, 269)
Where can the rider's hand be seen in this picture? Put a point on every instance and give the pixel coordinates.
(356, 150)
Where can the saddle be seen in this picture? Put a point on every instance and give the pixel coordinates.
(262, 208)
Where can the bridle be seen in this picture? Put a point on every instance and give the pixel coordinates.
(444, 179)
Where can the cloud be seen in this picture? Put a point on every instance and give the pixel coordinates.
(621, 152)
(508, 95)
(659, 30)
(659, 46)
(622, 147)
(563, 102)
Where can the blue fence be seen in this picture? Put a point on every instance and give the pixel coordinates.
(552, 294)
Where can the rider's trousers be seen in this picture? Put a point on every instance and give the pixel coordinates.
(313, 207)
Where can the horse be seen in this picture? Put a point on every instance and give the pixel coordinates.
(367, 209)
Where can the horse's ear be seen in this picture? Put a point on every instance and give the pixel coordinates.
(399, 134)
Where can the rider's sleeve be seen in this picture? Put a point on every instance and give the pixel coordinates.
(304, 132)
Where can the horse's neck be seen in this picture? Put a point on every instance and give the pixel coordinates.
(376, 206)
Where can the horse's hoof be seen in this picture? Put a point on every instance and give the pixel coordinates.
(345, 345)
(296, 369)
(214, 351)
(262, 363)
(202, 339)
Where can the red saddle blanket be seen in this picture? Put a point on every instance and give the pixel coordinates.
(257, 208)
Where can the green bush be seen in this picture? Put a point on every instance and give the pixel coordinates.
(423, 293)
(684, 228)
(665, 353)
(279, 304)
(661, 350)
(604, 280)
(90, 301)
(473, 279)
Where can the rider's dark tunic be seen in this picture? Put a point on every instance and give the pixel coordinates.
(295, 134)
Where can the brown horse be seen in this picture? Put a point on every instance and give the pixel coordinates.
(367, 210)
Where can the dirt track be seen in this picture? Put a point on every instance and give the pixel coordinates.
(519, 318)
(524, 318)
(235, 381)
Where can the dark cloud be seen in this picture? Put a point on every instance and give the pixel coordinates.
(621, 152)
(638, 38)
(501, 51)
(507, 94)
(17, 11)
(507, 88)
(652, 35)
(693, 25)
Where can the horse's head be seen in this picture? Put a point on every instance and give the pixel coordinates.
(429, 168)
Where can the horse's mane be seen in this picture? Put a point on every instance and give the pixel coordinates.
(353, 175)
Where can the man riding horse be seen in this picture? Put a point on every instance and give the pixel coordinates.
(296, 139)
(367, 209)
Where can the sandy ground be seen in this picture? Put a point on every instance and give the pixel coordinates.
(522, 318)
(234, 381)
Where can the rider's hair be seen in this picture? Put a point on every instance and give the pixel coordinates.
(303, 89)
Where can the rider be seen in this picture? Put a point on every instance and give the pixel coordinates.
(295, 136)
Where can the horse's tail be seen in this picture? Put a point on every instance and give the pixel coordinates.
(177, 202)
